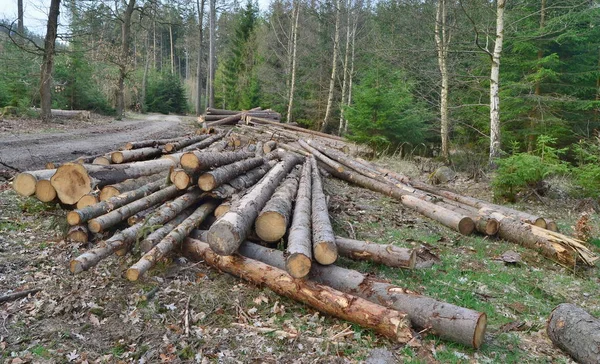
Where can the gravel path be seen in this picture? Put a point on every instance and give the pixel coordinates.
(32, 150)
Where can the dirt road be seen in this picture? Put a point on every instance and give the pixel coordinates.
(27, 150)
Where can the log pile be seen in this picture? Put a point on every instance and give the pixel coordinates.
(264, 182)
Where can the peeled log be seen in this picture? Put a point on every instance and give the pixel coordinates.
(24, 183)
(44, 191)
(80, 216)
(390, 255)
(324, 248)
(194, 162)
(72, 180)
(104, 222)
(210, 180)
(273, 220)
(171, 241)
(299, 247)
(575, 331)
(454, 323)
(123, 239)
(320, 156)
(462, 224)
(157, 235)
(125, 156)
(386, 322)
(129, 185)
(227, 233)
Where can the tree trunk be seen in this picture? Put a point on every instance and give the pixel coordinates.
(129, 185)
(126, 156)
(125, 238)
(336, 42)
(210, 180)
(323, 158)
(171, 241)
(48, 61)
(273, 220)
(324, 248)
(157, 235)
(351, 75)
(20, 25)
(345, 68)
(495, 145)
(575, 331)
(173, 146)
(195, 162)
(226, 235)
(242, 182)
(386, 322)
(442, 41)
(106, 221)
(462, 224)
(72, 181)
(294, 60)
(25, 183)
(299, 243)
(140, 216)
(210, 89)
(200, 6)
(390, 255)
(172, 53)
(454, 323)
(124, 58)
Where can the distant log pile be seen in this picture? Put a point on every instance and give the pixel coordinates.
(264, 181)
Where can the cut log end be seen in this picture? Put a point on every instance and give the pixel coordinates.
(87, 200)
(298, 265)
(207, 182)
(190, 161)
(479, 332)
(220, 238)
(551, 225)
(132, 274)
(71, 182)
(103, 161)
(169, 147)
(116, 157)
(412, 262)
(325, 252)
(488, 226)
(540, 222)
(78, 234)
(181, 180)
(222, 209)
(108, 192)
(94, 226)
(129, 146)
(44, 191)
(73, 218)
(24, 184)
(271, 226)
(466, 226)
(76, 266)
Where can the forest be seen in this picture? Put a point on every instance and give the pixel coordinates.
(446, 78)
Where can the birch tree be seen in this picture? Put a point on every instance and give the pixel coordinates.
(495, 145)
(296, 10)
(442, 43)
(336, 42)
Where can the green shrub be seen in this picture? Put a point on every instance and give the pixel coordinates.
(525, 172)
(165, 94)
(586, 175)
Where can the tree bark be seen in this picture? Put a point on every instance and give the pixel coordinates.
(25, 183)
(390, 255)
(210, 88)
(106, 221)
(296, 9)
(171, 147)
(200, 6)
(151, 143)
(442, 41)
(324, 248)
(242, 182)
(323, 158)
(48, 61)
(336, 42)
(72, 181)
(197, 161)
(345, 68)
(171, 241)
(299, 244)
(495, 145)
(140, 216)
(125, 238)
(257, 120)
(81, 216)
(575, 331)
(226, 235)
(20, 24)
(386, 322)
(129, 185)
(157, 235)
(126, 156)
(210, 180)
(454, 323)
(269, 146)
(273, 220)
(124, 57)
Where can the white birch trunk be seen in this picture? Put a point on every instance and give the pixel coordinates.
(442, 42)
(336, 42)
(345, 78)
(293, 68)
(495, 84)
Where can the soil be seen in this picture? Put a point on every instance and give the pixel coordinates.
(27, 144)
